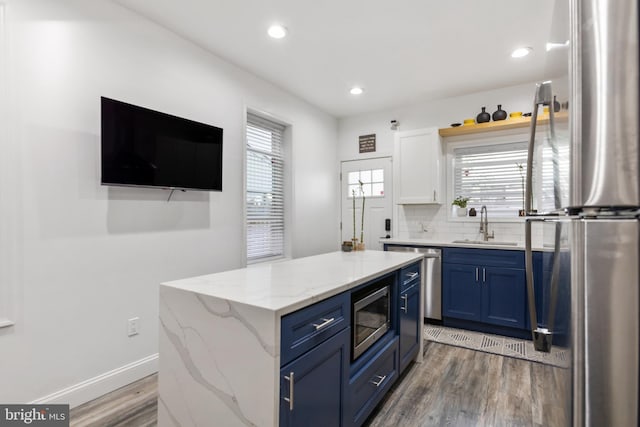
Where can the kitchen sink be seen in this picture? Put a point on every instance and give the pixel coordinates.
(482, 242)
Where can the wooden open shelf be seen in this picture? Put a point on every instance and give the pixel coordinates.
(510, 123)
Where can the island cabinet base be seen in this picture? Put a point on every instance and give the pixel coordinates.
(312, 387)
(369, 385)
(237, 351)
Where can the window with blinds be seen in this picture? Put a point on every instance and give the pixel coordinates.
(492, 175)
(551, 197)
(265, 189)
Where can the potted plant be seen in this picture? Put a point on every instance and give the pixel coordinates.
(459, 206)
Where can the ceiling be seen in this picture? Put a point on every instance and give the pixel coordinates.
(401, 52)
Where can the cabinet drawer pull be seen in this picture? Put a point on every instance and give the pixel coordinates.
(476, 274)
(410, 277)
(404, 298)
(290, 398)
(380, 380)
(434, 195)
(484, 274)
(324, 324)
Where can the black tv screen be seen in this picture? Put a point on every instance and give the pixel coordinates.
(142, 147)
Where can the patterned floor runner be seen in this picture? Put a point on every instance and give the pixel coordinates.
(496, 344)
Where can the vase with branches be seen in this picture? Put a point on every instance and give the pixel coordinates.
(358, 245)
(353, 198)
(361, 246)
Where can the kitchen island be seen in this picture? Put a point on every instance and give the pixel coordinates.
(220, 336)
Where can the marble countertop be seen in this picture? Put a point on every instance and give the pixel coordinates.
(283, 287)
(444, 244)
(470, 244)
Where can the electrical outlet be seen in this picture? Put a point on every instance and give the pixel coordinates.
(133, 326)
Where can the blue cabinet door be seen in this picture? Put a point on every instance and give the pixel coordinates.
(461, 292)
(410, 325)
(503, 296)
(312, 387)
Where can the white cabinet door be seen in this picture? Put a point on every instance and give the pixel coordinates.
(418, 167)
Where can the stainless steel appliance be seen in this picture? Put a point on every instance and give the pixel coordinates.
(431, 278)
(371, 314)
(582, 204)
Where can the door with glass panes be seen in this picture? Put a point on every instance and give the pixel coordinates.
(375, 175)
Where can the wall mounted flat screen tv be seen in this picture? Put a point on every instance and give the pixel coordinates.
(142, 147)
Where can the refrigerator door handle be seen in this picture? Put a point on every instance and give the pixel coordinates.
(528, 262)
(544, 96)
(542, 337)
(555, 278)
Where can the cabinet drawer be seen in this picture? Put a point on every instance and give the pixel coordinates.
(409, 276)
(306, 328)
(484, 257)
(371, 383)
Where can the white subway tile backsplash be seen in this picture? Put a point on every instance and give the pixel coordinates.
(435, 219)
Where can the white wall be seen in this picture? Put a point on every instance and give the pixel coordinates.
(84, 258)
(441, 113)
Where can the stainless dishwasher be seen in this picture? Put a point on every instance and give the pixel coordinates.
(431, 278)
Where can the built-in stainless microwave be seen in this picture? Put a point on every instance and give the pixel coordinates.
(371, 314)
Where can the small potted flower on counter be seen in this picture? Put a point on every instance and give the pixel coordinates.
(459, 206)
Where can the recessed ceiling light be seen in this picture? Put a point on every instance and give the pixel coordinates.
(521, 52)
(277, 31)
(356, 90)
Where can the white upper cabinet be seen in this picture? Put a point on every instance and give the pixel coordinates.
(418, 167)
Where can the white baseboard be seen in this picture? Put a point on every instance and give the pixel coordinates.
(102, 384)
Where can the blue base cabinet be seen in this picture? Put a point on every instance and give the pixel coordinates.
(312, 387)
(485, 286)
(503, 297)
(368, 386)
(410, 325)
(409, 321)
(321, 384)
(461, 292)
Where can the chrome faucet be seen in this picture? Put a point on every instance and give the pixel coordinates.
(484, 224)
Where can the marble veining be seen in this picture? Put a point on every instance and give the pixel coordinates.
(233, 312)
(225, 393)
(215, 362)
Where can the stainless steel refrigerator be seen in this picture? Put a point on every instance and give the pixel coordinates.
(582, 204)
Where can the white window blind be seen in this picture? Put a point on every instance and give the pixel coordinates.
(547, 199)
(265, 189)
(489, 175)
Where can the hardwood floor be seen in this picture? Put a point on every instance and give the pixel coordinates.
(135, 405)
(453, 387)
(462, 387)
